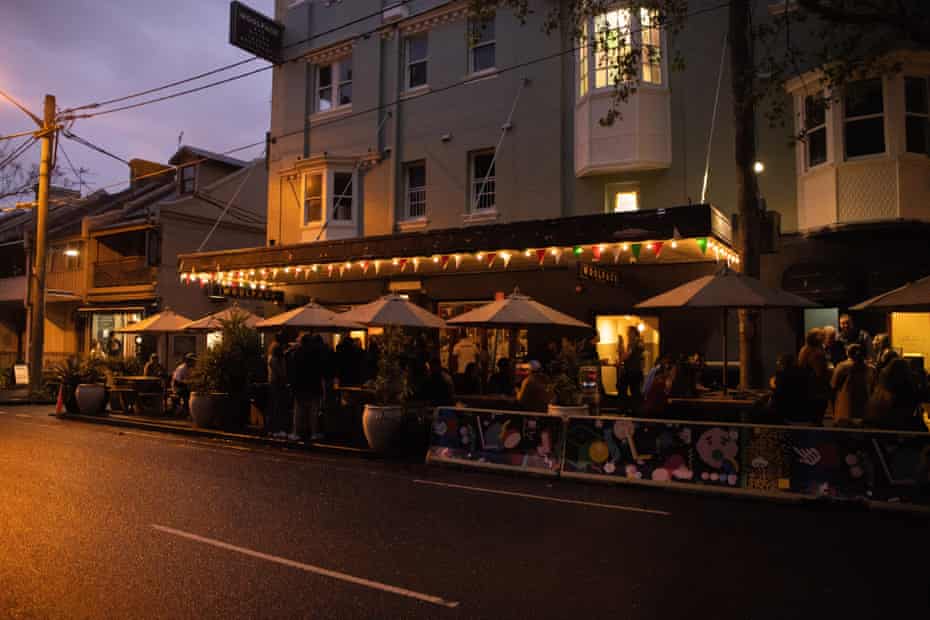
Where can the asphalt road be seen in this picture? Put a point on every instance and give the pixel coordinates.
(100, 522)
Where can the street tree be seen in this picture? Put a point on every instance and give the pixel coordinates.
(844, 40)
(19, 177)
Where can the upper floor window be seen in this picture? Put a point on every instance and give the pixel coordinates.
(415, 178)
(864, 121)
(417, 49)
(815, 129)
(481, 45)
(313, 198)
(618, 45)
(187, 179)
(916, 115)
(621, 197)
(483, 181)
(334, 84)
(342, 195)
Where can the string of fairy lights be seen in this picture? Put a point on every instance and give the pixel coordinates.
(630, 252)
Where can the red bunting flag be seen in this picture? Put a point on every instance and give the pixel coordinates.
(541, 256)
(658, 247)
(444, 261)
(491, 257)
(596, 251)
(403, 264)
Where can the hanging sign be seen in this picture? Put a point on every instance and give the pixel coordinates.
(247, 292)
(255, 33)
(598, 273)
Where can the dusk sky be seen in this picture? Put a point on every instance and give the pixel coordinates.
(84, 51)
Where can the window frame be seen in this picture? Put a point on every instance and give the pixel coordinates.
(409, 189)
(307, 222)
(475, 190)
(337, 194)
(847, 120)
(925, 115)
(336, 84)
(409, 62)
(476, 44)
(328, 196)
(612, 190)
(823, 126)
(184, 180)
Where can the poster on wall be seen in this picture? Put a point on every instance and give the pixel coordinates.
(651, 451)
(499, 438)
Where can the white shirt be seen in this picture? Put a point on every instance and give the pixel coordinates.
(466, 352)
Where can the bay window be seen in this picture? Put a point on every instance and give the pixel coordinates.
(864, 119)
(313, 198)
(618, 45)
(916, 115)
(328, 196)
(342, 195)
(815, 130)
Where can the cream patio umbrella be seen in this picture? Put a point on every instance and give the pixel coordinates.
(912, 297)
(212, 322)
(393, 311)
(515, 310)
(161, 324)
(310, 316)
(725, 290)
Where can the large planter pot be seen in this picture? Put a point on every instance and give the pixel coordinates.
(381, 425)
(207, 408)
(568, 410)
(91, 398)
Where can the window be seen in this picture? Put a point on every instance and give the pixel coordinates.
(416, 190)
(187, 179)
(342, 196)
(651, 46)
(621, 197)
(313, 198)
(916, 115)
(334, 84)
(483, 181)
(481, 45)
(612, 42)
(864, 124)
(417, 48)
(815, 129)
(583, 61)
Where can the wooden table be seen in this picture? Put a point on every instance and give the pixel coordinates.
(732, 407)
(146, 395)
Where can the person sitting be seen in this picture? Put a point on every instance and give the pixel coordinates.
(533, 394)
(437, 389)
(851, 383)
(153, 367)
(656, 397)
(501, 382)
(181, 383)
(470, 381)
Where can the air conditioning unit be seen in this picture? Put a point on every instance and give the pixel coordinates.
(395, 14)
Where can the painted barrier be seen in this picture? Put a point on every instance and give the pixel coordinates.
(497, 439)
(839, 463)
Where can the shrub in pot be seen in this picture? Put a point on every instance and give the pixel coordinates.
(68, 373)
(224, 374)
(566, 391)
(382, 420)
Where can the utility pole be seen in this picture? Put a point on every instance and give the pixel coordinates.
(37, 292)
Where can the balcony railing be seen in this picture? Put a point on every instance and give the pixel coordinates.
(416, 202)
(130, 271)
(482, 193)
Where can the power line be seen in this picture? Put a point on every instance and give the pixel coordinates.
(74, 170)
(72, 136)
(18, 151)
(13, 136)
(407, 98)
(219, 70)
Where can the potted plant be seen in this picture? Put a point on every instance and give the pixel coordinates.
(566, 392)
(91, 391)
(382, 419)
(68, 375)
(223, 377)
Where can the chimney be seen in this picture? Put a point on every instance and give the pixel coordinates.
(143, 172)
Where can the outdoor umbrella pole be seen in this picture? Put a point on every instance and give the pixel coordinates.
(725, 360)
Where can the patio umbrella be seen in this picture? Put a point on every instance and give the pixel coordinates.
(725, 289)
(211, 322)
(392, 311)
(912, 297)
(164, 322)
(515, 310)
(311, 316)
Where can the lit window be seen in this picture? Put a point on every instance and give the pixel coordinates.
(417, 48)
(612, 44)
(583, 51)
(481, 45)
(626, 201)
(313, 198)
(651, 46)
(916, 112)
(621, 197)
(416, 190)
(483, 181)
(342, 196)
(815, 129)
(864, 123)
(334, 84)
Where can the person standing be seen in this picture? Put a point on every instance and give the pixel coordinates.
(533, 394)
(633, 359)
(835, 350)
(437, 389)
(309, 386)
(502, 381)
(464, 352)
(279, 397)
(851, 383)
(850, 334)
(812, 360)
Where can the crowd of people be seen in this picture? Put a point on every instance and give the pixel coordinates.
(857, 378)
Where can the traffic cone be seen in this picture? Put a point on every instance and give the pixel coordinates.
(61, 400)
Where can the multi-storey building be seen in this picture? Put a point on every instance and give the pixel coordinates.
(112, 257)
(415, 148)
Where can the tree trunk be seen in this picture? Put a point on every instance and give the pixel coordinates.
(742, 70)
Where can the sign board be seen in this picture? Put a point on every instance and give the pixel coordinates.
(247, 292)
(255, 33)
(598, 273)
(21, 374)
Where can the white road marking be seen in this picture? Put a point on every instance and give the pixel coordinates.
(325, 572)
(3, 412)
(24, 415)
(545, 498)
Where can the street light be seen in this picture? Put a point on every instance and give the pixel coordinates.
(758, 167)
(71, 252)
